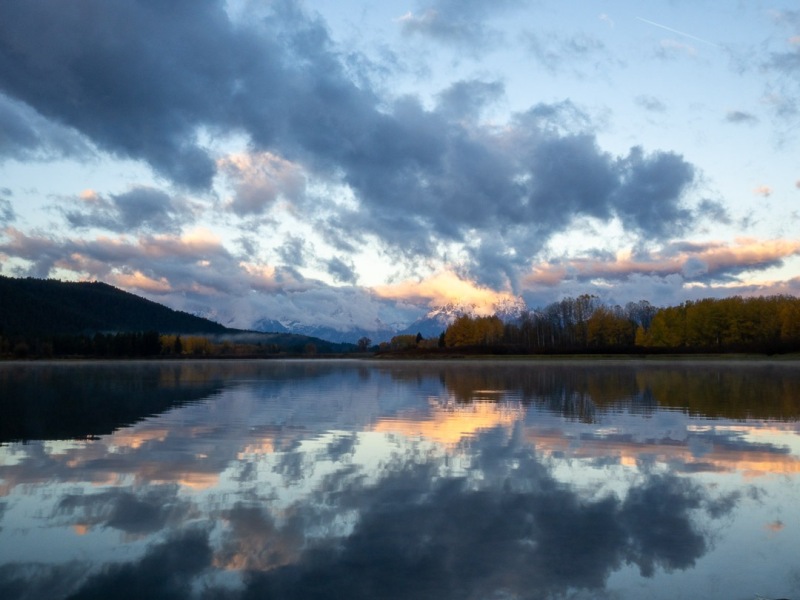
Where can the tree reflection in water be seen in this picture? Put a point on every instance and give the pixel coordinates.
(401, 480)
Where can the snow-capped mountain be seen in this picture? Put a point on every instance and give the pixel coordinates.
(440, 317)
(429, 324)
(349, 334)
(342, 322)
(436, 320)
(510, 311)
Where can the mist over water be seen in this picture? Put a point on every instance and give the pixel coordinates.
(358, 479)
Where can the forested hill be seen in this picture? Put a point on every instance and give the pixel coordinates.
(47, 306)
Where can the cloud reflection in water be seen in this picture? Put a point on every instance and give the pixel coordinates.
(322, 480)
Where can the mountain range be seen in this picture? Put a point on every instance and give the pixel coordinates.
(47, 306)
(431, 325)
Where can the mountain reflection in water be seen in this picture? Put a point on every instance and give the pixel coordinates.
(320, 479)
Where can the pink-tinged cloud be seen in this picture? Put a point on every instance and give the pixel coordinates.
(154, 263)
(690, 261)
(140, 281)
(444, 288)
(259, 179)
(763, 190)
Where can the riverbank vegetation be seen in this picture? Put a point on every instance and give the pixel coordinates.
(767, 325)
(46, 318)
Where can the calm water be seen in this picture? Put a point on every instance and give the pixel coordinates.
(317, 479)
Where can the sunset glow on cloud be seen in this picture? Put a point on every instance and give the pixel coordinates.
(450, 425)
(359, 164)
(445, 288)
(692, 261)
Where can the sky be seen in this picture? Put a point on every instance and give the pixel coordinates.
(354, 163)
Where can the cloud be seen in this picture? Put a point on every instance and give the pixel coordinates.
(146, 512)
(505, 192)
(444, 288)
(461, 23)
(782, 89)
(660, 513)
(417, 535)
(342, 271)
(27, 135)
(713, 211)
(7, 214)
(195, 272)
(712, 261)
(105, 78)
(193, 262)
(293, 251)
(790, 18)
(669, 49)
(254, 542)
(259, 180)
(649, 192)
(738, 116)
(167, 570)
(651, 103)
(498, 517)
(467, 99)
(413, 532)
(419, 178)
(141, 208)
(763, 190)
(555, 51)
(606, 19)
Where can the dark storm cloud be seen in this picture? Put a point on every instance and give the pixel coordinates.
(100, 67)
(167, 570)
(24, 134)
(341, 271)
(660, 514)
(418, 535)
(509, 190)
(506, 526)
(142, 208)
(138, 513)
(650, 185)
(419, 176)
(467, 99)
(34, 581)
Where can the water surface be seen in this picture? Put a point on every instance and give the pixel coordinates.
(354, 479)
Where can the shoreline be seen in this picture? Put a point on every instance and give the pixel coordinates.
(789, 359)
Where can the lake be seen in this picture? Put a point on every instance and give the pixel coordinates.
(389, 479)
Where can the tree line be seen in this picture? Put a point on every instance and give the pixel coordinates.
(102, 345)
(152, 344)
(47, 307)
(767, 324)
